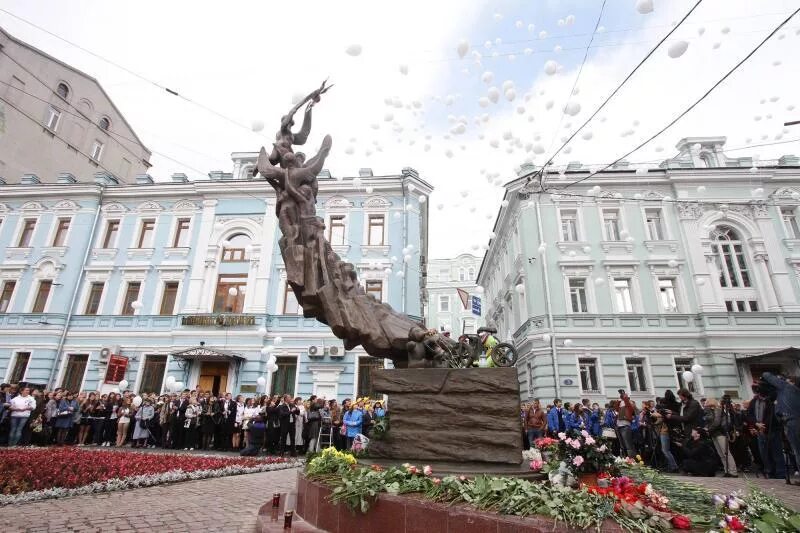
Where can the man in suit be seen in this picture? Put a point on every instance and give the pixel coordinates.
(179, 406)
(228, 409)
(555, 418)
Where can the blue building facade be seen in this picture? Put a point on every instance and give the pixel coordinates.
(102, 282)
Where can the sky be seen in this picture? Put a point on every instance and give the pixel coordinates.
(409, 100)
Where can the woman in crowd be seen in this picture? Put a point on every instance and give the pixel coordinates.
(596, 420)
(273, 425)
(63, 419)
(165, 414)
(379, 411)
(314, 418)
(339, 429)
(123, 421)
(300, 419)
(193, 412)
(143, 416)
(237, 423)
(86, 421)
(249, 412)
(110, 428)
(72, 437)
(352, 421)
(99, 415)
(49, 415)
(209, 419)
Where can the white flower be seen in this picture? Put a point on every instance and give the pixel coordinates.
(562, 436)
(584, 433)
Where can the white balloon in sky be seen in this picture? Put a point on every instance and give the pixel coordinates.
(557, 48)
(465, 193)
(542, 34)
(483, 101)
(458, 129)
(677, 49)
(511, 94)
(448, 153)
(403, 69)
(257, 125)
(439, 206)
(716, 45)
(527, 51)
(498, 17)
(700, 31)
(587, 135)
(487, 77)
(538, 148)
(550, 67)
(508, 84)
(463, 48)
(549, 104)
(494, 94)
(561, 22)
(644, 6)
(572, 108)
(353, 50)
(388, 117)
(349, 150)
(519, 24)
(449, 99)
(725, 30)
(601, 29)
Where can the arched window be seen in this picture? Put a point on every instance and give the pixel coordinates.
(62, 90)
(471, 273)
(729, 258)
(235, 248)
(104, 124)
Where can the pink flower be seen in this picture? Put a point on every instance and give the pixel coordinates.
(412, 469)
(437, 481)
(578, 460)
(602, 448)
(427, 470)
(584, 433)
(562, 436)
(462, 478)
(589, 441)
(576, 444)
(536, 465)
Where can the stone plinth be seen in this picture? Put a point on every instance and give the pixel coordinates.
(448, 414)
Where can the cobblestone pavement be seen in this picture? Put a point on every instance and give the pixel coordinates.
(228, 504)
(788, 494)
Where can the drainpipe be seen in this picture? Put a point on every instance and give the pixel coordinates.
(57, 362)
(548, 307)
(405, 241)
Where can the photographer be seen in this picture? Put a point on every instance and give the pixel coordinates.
(627, 413)
(690, 415)
(787, 407)
(663, 429)
(721, 429)
(763, 423)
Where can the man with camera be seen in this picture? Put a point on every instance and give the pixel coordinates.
(787, 407)
(763, 423)
(722, 431)
(690, 415)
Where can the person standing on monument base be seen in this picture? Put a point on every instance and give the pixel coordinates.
(555, 418)
(352, 421)
(535, 421)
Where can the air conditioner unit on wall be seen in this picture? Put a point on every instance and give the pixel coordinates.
(108, 351)
(315, 351)
(336, 351)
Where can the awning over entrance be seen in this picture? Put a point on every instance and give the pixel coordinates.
(204, 353)
(790, 352)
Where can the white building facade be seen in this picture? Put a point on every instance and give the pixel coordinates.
(102, 281)
(446, 310)
(628, 279)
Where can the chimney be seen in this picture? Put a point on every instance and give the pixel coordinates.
(29, 179)
(66, 178)
(180, 177)
(144, 179)
(104, 178)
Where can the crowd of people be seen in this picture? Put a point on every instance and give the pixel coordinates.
(694, 436)
(190, 420)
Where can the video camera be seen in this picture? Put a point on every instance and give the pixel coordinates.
(763, 388)
(621, 393)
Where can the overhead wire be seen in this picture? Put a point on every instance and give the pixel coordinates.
(696, 102)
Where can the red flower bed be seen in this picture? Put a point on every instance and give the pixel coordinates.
(44, 468)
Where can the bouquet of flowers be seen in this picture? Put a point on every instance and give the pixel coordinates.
(582, 453)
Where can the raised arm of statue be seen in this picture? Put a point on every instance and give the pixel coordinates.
(302, 136)
(316, 163)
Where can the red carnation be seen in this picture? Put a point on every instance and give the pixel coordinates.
(680, 521)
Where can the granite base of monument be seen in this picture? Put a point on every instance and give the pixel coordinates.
(450, 414)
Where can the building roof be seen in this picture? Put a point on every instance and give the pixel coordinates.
(81, 73)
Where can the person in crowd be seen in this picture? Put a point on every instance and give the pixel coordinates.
(124, 414)
(86, 421)
(49, 416)
(257, 434)
(555, 418)
(690, 414)
(98, 417)
(209, 421)
(699, 456)
(337, 416)
(720, 428)
(237, 423)
(662, 428)
(286, 415)
(595, 420)
(313, 425)
(165, 414)
(535, 421)
(248, 414)
(64, 416)
(300, 420)
(20, 408)
(273, 425)
(787, 407)
(110, 426)
(190, 417)
(576, 419)
(625, 418)
(227, 409)
(144, 414)
(763, 423)
(379, 411)
(352, 421)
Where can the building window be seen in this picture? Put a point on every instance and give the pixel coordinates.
(468, 326)
(655, 227)
(611, 225)
(52, 119)
(729, 258)
(444, 274)
(666, 292)
(104, 124)
(95, 295)
(622, 295)
(376, 225)
(681, 366)
(112, 229)
(146, 233)
(577, 295)
(42, 295)
(471, 273)
(636, 377)
(97, 150)
(283, 378)
(62, 90)
(569, 225)
(60, 238)
(444, 303)
(462, 274)
(153, 373)
(131, 295)
(168, 298)
(6, 295)
(235, 249)
(588, 373)
(73, 375)
(790, 223)
(290, 304)
(336, 232)
(181, 239)
(25, 236)
(19, 368)
(230, 293)
(365, 367)
(374, 288)
(115, 371)
(741, 306)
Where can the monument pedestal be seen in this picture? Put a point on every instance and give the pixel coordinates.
(450, 414)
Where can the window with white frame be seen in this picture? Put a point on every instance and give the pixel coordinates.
(667, 295)
(462, 274)
(444, 303)
(26, 234)
(131, 295)
(42, 295)
(97, 150)
(6, 294)
(577, 295)
(374, 288)
(52, 118)
(468, 325)
(790, 222)
(181, 239)
(587, 367)
(637, 380)
(654, 223)
(377, 224)
(336, 231)
(681, 366)
(569, 225)
(110, 238)
(146, 231)
(290, 304)
(741, 306)
(62, 227)
(622, 295)
(611, 224)
(471, 273)
(444, 274)
(729, 258)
